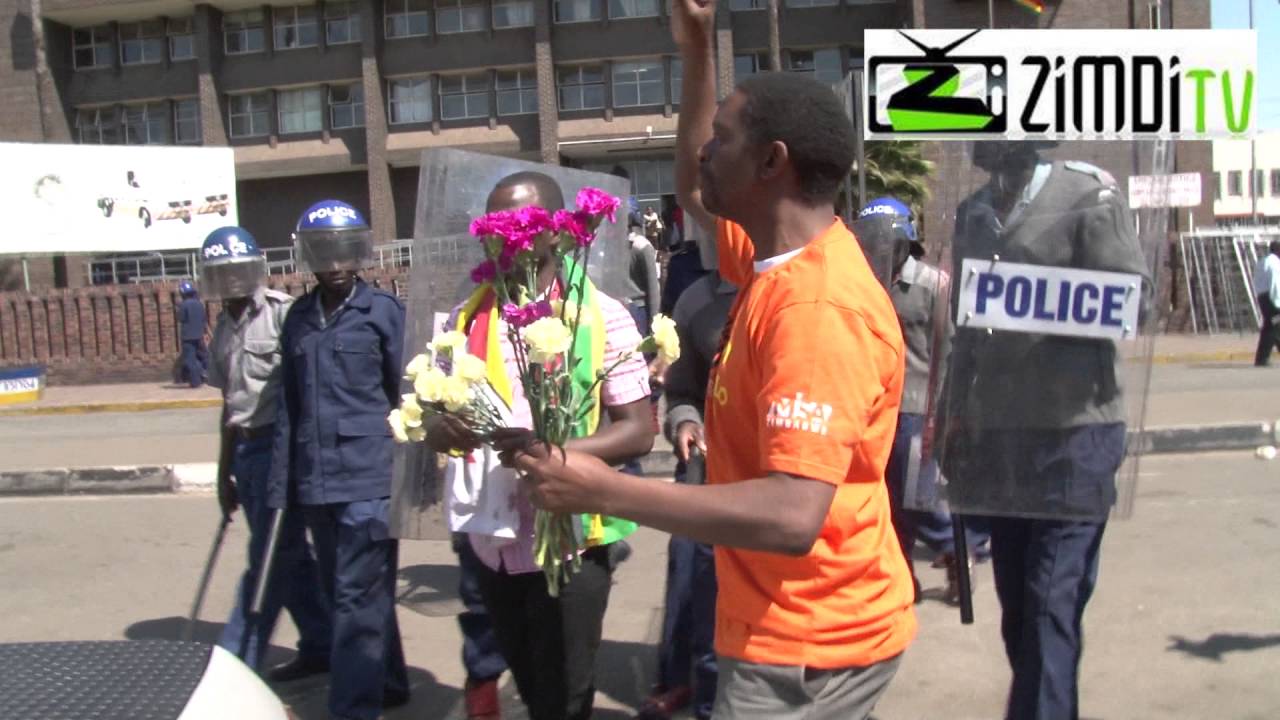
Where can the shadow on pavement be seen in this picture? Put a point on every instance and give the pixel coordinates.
(1219, 644)
(430, 590)
(625, 672)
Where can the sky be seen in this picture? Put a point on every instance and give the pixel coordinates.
(1266, 19)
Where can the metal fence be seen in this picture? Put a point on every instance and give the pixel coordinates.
(1219, 267)
(164, 267)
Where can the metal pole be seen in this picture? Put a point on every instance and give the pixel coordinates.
(218, 536)
(1225, 286)
(1247, 279)
(991, 13)
(1253, 156)
(859, 146)
(1186, 276)
(268, 558)
(964, 584)
(26, 275)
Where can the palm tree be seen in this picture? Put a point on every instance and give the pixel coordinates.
(899, 169)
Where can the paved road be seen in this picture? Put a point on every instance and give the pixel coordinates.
(1184, 623)
(1180, 395)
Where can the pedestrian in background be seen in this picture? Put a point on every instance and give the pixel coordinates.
(1266, 283)
(192, 321)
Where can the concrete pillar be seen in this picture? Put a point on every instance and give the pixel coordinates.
(548, 102)
(382, 207)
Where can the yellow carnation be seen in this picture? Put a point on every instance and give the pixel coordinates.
(448, 341)
(564, 309)
(418, 364)
(417, 434)
(410, 411)
(396, 420)
(456, 394)
(548, 339)
(666, 338)
(429, 384)
(470, 368)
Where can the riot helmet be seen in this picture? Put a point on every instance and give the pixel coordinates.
(332, 235)
(231, 265)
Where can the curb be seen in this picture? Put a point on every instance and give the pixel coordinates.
(1191, 358)
(199, 477)
(103, 407)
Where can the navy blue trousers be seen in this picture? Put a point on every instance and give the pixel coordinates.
(689, 623)
(358, 559)
(481, 655)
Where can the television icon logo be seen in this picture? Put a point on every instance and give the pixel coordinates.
(938, 93)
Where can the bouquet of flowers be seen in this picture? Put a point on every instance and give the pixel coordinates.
(560, 363)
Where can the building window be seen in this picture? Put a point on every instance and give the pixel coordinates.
(512, 13)
(91, 47)
(677, 80)
(250, 115)
(97, 126)
(341, 23)
(1234, 183)
(581, 87)
(1217, 185)
(182, 41)
(243, 32)
(295, 27)
(517, 92)
(346, 106)
(1275, 183)
(456, 16)
(146, 124)
(1259, 184)
(300, 110)
(633, 8)
(571, 11)
(810, 3)
(142, 43)
(464, 96)
(638, 83)
(740, 5)
(409, 101)
(744, 65)
(407, 18)
(650, 179)
(822, 65)
(186, 121)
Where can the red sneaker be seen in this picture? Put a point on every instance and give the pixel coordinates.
(482, 700)
(661, 706)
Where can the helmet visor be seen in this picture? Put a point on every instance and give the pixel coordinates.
(237, 278)
(328, 250)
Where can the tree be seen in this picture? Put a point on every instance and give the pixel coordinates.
(899, 169)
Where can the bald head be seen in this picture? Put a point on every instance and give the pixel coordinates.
(524, 189)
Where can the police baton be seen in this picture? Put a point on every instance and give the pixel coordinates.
(964, 586)
(268, 558)
(189, 633)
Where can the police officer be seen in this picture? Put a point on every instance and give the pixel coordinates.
(245, 365)
(341, 377)
(191, 324)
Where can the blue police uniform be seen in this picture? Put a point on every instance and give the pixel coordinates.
(191, 325)
(332, 459)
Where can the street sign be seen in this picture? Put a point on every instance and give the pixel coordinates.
(1177, 190)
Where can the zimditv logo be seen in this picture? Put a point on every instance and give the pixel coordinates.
(1061, 84)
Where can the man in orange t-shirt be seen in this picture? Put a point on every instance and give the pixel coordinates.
(815, 598)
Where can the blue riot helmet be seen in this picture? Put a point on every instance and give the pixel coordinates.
(887, 235)
(186, 289)
(332, 235)
(231, 265)
(900, 216)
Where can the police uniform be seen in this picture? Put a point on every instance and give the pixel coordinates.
(1043, 430)
(245, 365)
(333, 449)
(191, 324)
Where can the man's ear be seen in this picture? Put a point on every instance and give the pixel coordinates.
(774, 160)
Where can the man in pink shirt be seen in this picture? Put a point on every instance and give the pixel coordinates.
(550, 643)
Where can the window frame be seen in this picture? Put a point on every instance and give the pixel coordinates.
(100, 48)
(675, 79)
(640, 65)
(112, 125)
(177, 121)
(428, 13)
(617, 4)
(596, 11)
(520, 90)
(171, 35)
(157, 41)
(467, 93)
(356, 107)
(279, 28)
(246, 30)
(1235, 183)
(752, 5)
(815, 71)
(424, 86)
(580, 87)
(350, 17)
(802, 4)
(147, 124)
(315, 92)
(493, 13)
(252, 112)
(462, 9)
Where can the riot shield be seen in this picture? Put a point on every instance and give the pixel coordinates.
(453, 187)
(1038, 409)
(881, 243)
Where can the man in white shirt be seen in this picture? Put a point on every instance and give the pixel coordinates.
(1266, 282)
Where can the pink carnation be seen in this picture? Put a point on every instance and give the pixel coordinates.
(527, 315)
(574, 224)
(499, 224)
(598, 203)
(485, 272)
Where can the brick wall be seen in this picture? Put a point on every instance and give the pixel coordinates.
(116, 333)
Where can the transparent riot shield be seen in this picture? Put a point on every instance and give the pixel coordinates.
(884, 247)
(453, 187)
(1038, 408)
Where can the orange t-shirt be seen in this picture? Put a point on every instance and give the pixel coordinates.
(809, 385)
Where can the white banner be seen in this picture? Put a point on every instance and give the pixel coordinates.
(1061, 84)
(113, 198)
(1048, 300)
(1152, 191)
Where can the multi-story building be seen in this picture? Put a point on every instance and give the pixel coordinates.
(1241, 196)
(338, 99)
